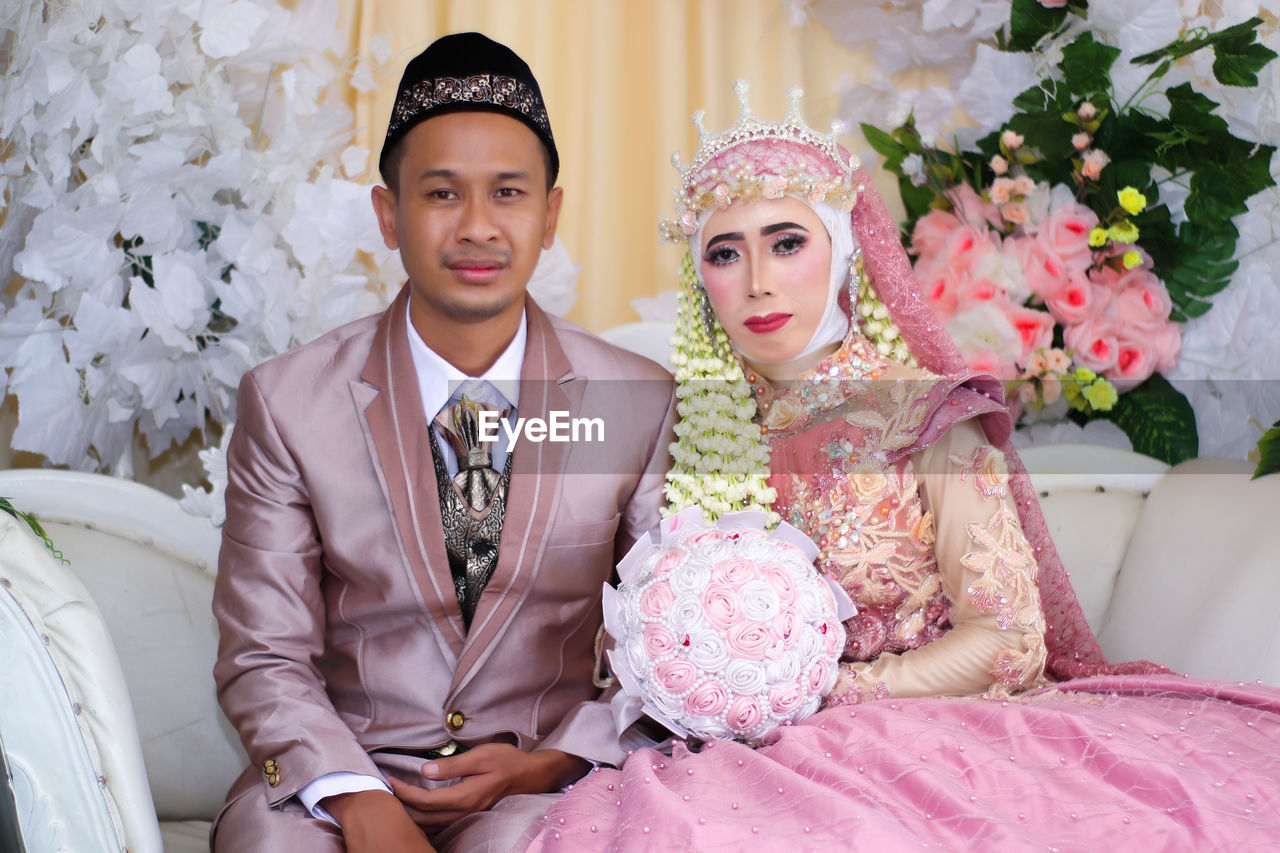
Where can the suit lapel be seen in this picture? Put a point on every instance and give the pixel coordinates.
(396, 428)
(547, 384)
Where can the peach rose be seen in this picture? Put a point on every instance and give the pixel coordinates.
(999, 165)
(1144, 304)
(784, 411)
(1081, 140)
(1015, 212)
(1094, 162)
(1023, 185)
(1026, 394)
(1001, 190)
(932, 230)
(1066, 235)
(1011, 140)
(1050, 389)
(1094, 343)
(706, 700)
(1059, 361)
(1035, 327)
(868, 484)
(1135, 361)
(1078, 300)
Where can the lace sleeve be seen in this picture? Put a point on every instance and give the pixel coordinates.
(987, 567)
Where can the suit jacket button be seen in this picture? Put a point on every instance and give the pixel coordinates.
(454, 720)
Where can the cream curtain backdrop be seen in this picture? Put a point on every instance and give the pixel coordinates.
(621, 79)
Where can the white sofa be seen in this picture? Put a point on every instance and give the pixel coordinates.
(109, 724)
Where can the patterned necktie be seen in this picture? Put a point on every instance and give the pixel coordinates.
(473, 501)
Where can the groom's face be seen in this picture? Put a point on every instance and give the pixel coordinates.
(470, 215)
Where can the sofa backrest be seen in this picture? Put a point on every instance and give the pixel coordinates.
(1198, 588)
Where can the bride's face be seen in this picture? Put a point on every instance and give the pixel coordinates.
(766, 266)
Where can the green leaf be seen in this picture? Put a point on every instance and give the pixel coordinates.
(1268, 453)
(1189, 43)
(1158, 420)
(1029, 21)
(1086, 65)
(883, 143)
(1238, 60)
(1198, 264)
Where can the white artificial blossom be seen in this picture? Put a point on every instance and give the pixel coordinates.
(179, 204)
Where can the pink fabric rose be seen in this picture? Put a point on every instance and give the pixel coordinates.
(1035, 327)
(706, 700)
(659, 641)
(721, 604)
(818, 676)
(1044, 271)
(932, 231)
(940, 285)
(780, 582)
(734, 572)
(1078, 300)
(785, 699)
(668, 561)
(1135, 361)
(1094, 343)
(1166, 343)
(785, 628)
(967, 246)
(1144, 303)
(675, 676)
(744, 714)
(975, 289)
(656, 598)
(973, 208)
(1066, 235)
(750, 640)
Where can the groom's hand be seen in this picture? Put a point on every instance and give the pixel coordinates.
(375, 821)
(484, 775)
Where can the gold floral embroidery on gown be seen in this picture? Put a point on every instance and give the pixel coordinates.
(839, 441)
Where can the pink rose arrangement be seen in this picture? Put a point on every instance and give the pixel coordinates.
(724, 631)
(1035, 288)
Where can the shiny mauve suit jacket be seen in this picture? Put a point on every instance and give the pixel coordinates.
(340, 630)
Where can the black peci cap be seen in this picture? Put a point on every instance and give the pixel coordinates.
(468, 72)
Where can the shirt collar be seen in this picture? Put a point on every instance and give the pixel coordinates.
(437, 378)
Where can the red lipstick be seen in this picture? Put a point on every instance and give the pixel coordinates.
(766, 323)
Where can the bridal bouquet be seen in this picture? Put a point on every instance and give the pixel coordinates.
(724, 630)
(1064, 249)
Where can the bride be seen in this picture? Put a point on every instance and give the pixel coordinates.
(974, 706)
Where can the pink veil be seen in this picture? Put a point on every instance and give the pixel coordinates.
(1073, 650)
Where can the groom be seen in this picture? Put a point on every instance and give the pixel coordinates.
(407, 612)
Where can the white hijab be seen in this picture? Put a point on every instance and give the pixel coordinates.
(835, 323)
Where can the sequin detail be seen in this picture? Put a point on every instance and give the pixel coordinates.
(989, 470)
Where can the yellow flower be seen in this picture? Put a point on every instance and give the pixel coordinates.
(1098, 237)
(1101, 395)
(1132, 201)
(1123, 231)
(1131, 260)
(1084, 374)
